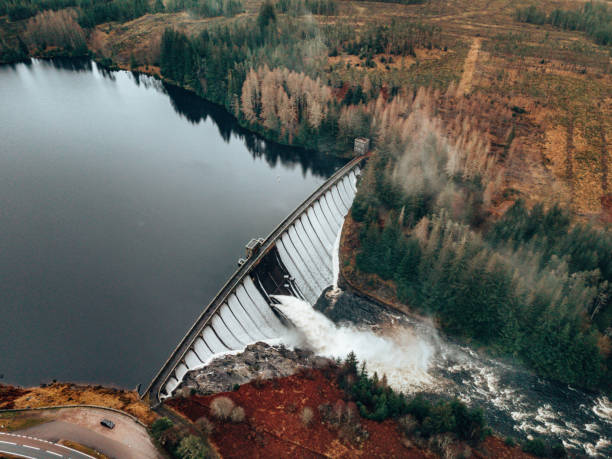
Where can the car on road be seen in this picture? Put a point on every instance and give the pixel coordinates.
(107, 423)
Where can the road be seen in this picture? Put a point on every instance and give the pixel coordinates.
(128, 440)
(34, 448)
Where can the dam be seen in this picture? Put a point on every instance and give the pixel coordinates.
(296, 259)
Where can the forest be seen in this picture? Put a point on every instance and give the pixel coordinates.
(266, 77)
(530, 285)
(593, 18)
(93, 12)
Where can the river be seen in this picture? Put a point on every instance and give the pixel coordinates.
(124, 206)
(417, 360)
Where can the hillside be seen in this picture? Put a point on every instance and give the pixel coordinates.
(538, 94)
(274, 425)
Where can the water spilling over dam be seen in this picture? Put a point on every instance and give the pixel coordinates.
(401, 356)
(296, 259)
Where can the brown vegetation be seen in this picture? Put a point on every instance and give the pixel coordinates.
(280, 110)
(60, 394)
(237, 414)
(11, 421)
(275, 425)
(306, 416)
(205, 426)
(222, 407)
(55, 30)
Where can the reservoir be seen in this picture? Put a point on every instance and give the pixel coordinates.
(124, 206)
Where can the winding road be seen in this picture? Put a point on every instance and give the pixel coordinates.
(128, 439)
(35, 448)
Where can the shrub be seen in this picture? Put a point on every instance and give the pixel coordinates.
(338, 411)
(352, 413)
(558, 450)
(306, 416)
(205, 425)
(442, 444)
(440, 420)
(237, 414)
(408, 424)
(171, 438)
(537, 447)
(470, 423)
(192, 447)
(159, 426)
(221, 408)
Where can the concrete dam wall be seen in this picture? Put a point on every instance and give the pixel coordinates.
(296, 259)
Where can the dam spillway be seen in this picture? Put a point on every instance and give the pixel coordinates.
(295, 259)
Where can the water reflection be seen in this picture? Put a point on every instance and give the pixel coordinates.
(195, 110)
(73, 65)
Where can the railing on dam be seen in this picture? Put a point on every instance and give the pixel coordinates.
(240, 313)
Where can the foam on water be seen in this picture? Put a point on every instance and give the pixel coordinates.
(603, 408)
(397, 353)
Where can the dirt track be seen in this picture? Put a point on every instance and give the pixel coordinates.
(465, 85)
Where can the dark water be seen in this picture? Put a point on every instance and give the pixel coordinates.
(124, 205)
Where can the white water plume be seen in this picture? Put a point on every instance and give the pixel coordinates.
(398, 353)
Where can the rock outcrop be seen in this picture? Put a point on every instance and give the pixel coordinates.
(343, 306)
(258, 361)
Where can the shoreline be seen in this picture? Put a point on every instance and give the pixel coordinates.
(155, 72)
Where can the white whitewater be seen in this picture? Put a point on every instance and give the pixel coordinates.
(603, 409)
(336, 260)
(397, 353)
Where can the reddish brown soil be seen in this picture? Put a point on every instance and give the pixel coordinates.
(273, 427)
